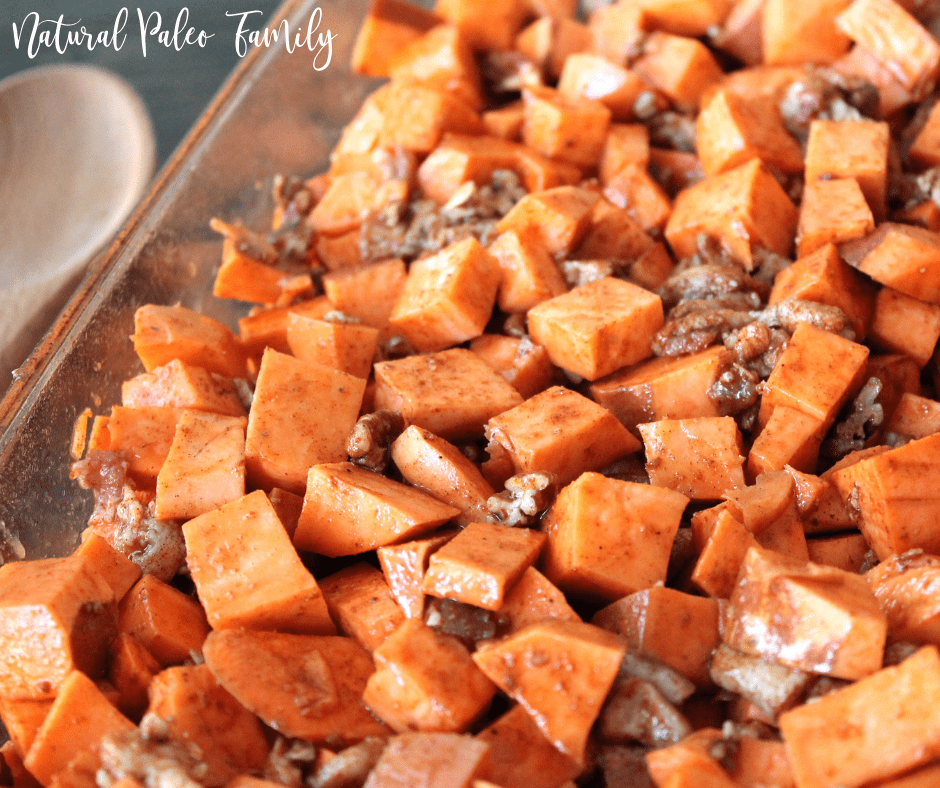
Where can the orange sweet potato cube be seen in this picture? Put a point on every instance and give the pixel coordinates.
(111, 565)
(836, 627)
(532, 599)
(825, 278)
(66, 610)
(367, 293)
(448, 297)
(389, 26)
(132, 669)
(627, 143)
(461, 158)
(790, 437)
(741, 35)
(699, 457)
(740, 207)
(247, 572)
(246, 278)
(263, 328)
(350, 197)
(435, 760)
(452, 393)
(925, 150)
(902, 257)
(415, 117)
(170, 624)
(561, 432)
(163, 333)
(361, 604)
(686, 17)
(676, 628)
(524, 364)
(492, 26)
(529, 274)
(567, 127)
(481, 563)
(205, 467)
(388, 511)
(637, 192)
(595, 77)
(560, 217)
(915, 416)
(425, 680)
(896, 39)
(431, 463)
(617, 30)
(404, 566)
(560, 672)
(346, 346)
(730, 130)
(903, 586)
(832, 211)
(539, 173)
(663, 388)
(682, 68)
(902, 324)
(894, 509)
(608, 538)
(832, 741)
(285, 435)
(847, 552)
(521, 757)
(803, 32)
(851, 149)
(144, 436)
(180, 385)
(551, 41)
(719, 561)
(505, 121)
(598, 327)
(339, 252)
(613, 234)
(816, 374)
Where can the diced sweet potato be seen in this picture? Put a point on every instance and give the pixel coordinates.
(481, 563)
(617, 29)
(915, 417)
(719, 561)
(205, 467)
(143, 436)
(832, 211)
(529, 274)
(627, 143)
(904, 587)
(199, 712)
(770, 511)
(551, 41)
(762, 762)
(367, 293)
(164, 333)
(521, 757)
(451, 393)
(572, 128)
(561, 432)
(386, 511)
(460, 159)
(313, 687)
(426, 681)
(902, 257)
(448, 297)
(361, 604)
(847, 552)
(268, 327)
(285, 435)
(803, 32)
(171, 625)
(111, 565)
(676, 628)
(79, 718)
(613, 234)
(838, 741)
(903, 324)
(181, 385)
(56, 616)
(663, 388)
(686, 17)
(404, 566)
(525, 365)
(598, 327)
(429, 760)
(560, 217)
(486, 27)
(832, 625)
(389, 26)
(346, 346)
(595, 77)
(700, 458)
(608, 538)
(247, 572)
(132, 669)
(895, 510)
(682, 68)
(740, 207)
(640, 195)
(560, 672)
(416, 117)
(741, 35)
(689, 764)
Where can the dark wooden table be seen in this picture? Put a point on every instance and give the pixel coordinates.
(176, 85)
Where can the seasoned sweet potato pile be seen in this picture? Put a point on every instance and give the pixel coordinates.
(584, 432)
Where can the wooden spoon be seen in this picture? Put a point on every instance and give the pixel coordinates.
(76, 153)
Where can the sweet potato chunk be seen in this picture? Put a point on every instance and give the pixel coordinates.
(592, 76)
(559, 217)
(904, 587)
(682, 68)
(56, 616)
(247, 572)
(389, 26)
(529, 274)
(608, 538)
(426, 681)
(362, 604)
(346, 346)
(429, 760)
(404, 566)
(572, 128)
(903, 324)
(558, 431)
(367, 293)
(451, 394)
(180, 385)
(803, 32)
(285, 434)
(460, 159)
(560, 672)
(832, 211)
(385, 511)
(902, 257)
(598, 327)
(700, 458)
(839, 741)
(815, 618)
(313, 688)
(525, 365)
